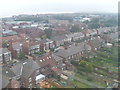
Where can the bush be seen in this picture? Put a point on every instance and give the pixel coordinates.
(75, 63)
(21, 55)
(89, 79)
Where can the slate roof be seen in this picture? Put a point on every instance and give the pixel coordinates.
(9, 33)
(3, 50)
(6, 71)
(17, 46)
(45, 40)
(5, 81)
(57, 58)
(26, 68)
(72, 50)
(107, 29)
(97, 42)
(113, 36)
(59, 37)
(78, 34)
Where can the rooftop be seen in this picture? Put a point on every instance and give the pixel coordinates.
(25, 68)
(4, 50)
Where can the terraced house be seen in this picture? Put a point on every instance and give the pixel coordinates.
(75, 36)
(73, 52)
(30, 48)
(27, 72)
(16, 49)
(48, 65)
(5, 55)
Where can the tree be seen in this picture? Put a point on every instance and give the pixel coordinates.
(59, 78)
(30, 18)
(43, 36)
(5, 45)
(110, 22)
(75, 29)
(75, 63)
(21, 55)
(89, 68)
(48, 33)
(83, 63)
(95, 23)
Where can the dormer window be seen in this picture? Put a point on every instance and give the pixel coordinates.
(30, 79)
(6, 72)
(43, 59)
(40, 60)
(37, 71)
(47, 57)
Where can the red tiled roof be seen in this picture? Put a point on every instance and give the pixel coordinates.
(9, 38)
(59, 29)
(15, 84)
(87, 31)
(56, 69)
(36, 34)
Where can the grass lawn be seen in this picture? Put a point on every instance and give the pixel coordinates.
(106, 58)
(53, 86)
(80, 84)
(111, 67)
(92, 81)
(81, 76)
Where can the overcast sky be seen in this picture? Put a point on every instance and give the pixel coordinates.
(15, 7)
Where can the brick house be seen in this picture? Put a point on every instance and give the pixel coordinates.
(27, 71)
(89, 33)
(46, 44)
(59, 40)
(15, 49)
(75, 36)
(8, 78)
(103, 30)
(5, 55)
(58, 60)
(47, 64)
(96, 43)
(9, 38)
(73, 52)
(30, 48)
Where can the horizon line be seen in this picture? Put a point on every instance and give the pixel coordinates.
(94, 12)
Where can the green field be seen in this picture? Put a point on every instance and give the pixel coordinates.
(80, 84)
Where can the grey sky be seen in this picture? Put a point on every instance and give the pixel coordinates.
(15, 7)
